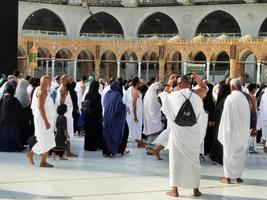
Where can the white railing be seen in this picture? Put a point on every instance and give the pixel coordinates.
(100, 35)
(263, 34)
(157, 2)
(166, 35)
(216, 1)
(61, 2)
(42, 32)
(215, 35)
(111, 3)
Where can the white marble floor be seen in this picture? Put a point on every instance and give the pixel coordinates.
(134, 177)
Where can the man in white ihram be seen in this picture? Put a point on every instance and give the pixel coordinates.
(44, 118)
(234, 132)
(184, 141)
(262, 120)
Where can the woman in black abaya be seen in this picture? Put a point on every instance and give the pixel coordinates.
(11, 116)
(93, 140)
(216, 152)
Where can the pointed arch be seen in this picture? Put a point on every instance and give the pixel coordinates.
(44, 20)
(158, 23)
(64, 53)
(263, 29)
(102, 22)
(218, 22)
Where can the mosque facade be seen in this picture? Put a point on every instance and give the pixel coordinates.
(145, 38)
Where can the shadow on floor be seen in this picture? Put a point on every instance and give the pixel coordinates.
(4, 194)
(247, 181)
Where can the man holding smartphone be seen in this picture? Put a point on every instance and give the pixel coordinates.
(184, 141)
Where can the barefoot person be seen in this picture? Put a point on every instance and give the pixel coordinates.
(133, 101)
(262, 121)
(152, 114)
(234, 132)
(184, 141)
(114, 121)
(64, 97)
(44, 117)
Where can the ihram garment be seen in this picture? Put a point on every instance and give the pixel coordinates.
(234, 132)
(152, 112)
(184, 142)
(45, 137)
(262, 120)
(69, 116)
(135, 128)
(163, 138)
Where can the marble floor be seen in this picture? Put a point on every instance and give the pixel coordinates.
(134, 177)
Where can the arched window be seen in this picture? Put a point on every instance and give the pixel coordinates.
(219, 22)
(159, 24)
(101, 23)
(44, 20)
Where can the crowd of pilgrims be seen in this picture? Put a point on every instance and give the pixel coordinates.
(109, 115)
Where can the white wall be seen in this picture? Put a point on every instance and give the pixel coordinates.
(187, 18)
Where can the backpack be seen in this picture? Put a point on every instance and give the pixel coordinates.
(186, 115)
(87, 109)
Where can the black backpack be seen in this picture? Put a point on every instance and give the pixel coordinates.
(186, 115)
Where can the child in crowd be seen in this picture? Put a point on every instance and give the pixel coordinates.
(61, 135)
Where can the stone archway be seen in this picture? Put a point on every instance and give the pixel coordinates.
(197, 62)
(63, 62)
(218, 23)
(128, 65)
(173, 64)
(263, 29)
(22, 61)
(108, 65)
(150, 65)
(247, 63)
(85, 64)
(44, 21)
(43, 63)
(220, 66)
(158, 24)
(102, 24)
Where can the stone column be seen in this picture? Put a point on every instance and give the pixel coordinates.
(208, 71)
(161, 70)
(147, 71)
(53, 68)
(169, 69)
(139, 68)
(47, 67)
(233, 69)
(97, 69)
(185, 67)
(213, 72)
(118, 69)
(258, 73)
(75, 70)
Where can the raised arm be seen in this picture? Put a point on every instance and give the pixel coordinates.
(202, 90)
(170, 82)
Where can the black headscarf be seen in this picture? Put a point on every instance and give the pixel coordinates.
(93, 90)
(224, 91)
(10, 87)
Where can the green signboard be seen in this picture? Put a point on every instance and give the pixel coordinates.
(196, 68)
